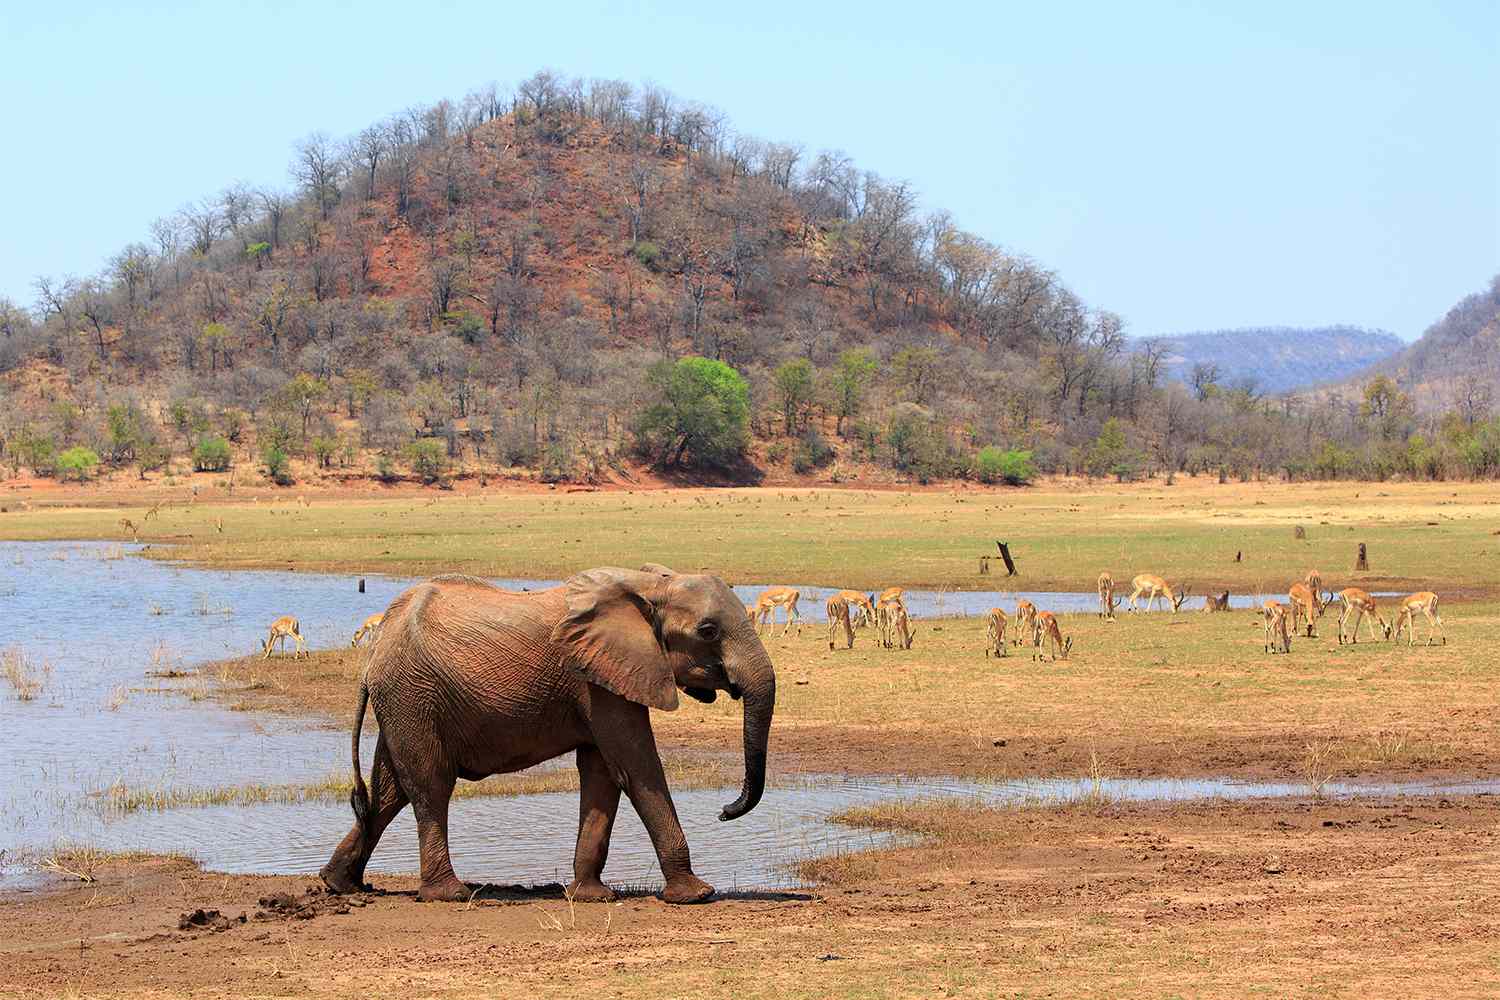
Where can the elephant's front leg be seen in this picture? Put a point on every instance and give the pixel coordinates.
(622, 731)
(598, 799)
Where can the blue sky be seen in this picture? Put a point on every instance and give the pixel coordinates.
(1185, 166)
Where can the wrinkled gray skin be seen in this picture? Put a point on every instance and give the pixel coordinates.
(467, 680)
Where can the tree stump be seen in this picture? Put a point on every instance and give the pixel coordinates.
(361, 585)
(1299, 533)
(1360, 563)
(1010, 565)
(1238, 555)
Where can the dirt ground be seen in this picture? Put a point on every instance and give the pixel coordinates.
(1207, 900)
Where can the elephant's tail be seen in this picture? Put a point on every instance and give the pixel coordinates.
(359, 798)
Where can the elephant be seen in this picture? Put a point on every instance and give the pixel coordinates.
(467, 680)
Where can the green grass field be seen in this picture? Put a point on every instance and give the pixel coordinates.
(1419, 536)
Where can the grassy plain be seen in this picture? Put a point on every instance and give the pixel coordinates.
(1062, 533)
(1287, 897)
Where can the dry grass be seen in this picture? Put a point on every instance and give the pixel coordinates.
(122, 799)
(26, 678)
(1062, 533)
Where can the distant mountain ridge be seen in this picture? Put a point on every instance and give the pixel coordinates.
(1279, 358)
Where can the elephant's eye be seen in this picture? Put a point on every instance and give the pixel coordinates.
(708, 631)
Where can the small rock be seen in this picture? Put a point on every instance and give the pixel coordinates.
(997, 743)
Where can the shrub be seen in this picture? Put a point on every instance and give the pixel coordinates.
(428, 458)
(700, 416)
(77, 463)
(812, 453)
(211, 455)
(324, 448)
(276, 465)
(385, 469)
(1012, 467)
(647, 253)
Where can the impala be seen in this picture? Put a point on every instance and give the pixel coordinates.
(282, 629)
(1025, 619)
(1045, 629)
(1276, 631)
(861, 606)
(893, 623)
(838, 614)
(369, 627)
(994, 633)
(1107, 601)
(1155, 588)
(1213, 603)
(1427, 603)
(778, 597)
(1358, 603)
(1306, 603)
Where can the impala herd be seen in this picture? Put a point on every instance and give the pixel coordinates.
(850, 609)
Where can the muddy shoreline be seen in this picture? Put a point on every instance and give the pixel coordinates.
(1285, 897)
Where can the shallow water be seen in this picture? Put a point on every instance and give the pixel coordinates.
(101, 619)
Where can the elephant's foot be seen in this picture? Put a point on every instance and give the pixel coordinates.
(686, 889)
(451, 890)
(342, 879)
(590, 890)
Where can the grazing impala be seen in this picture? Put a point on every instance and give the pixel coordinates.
(1427, 603)
(1107, 601)
(1025, 619)
(1358, 603)
(1045, 630)
(861, 606)
(1276, 630)
(994, 633)
(1212, 603)
(1314, 581)
(282, 629)
(1307, 604)
(1155, 588)
(893, 624)
(838, 614)
(779, 597)
(370, 627)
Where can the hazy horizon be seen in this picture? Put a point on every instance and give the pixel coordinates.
(1188, 170)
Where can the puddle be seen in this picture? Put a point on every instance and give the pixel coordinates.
(529, 838)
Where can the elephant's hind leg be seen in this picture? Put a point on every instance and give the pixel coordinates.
(431, 806)
(598, 800)
(345, 871)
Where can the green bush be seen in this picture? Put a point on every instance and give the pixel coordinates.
(1012, 467)
(77, 463)
(812, 452)
(700, 415)
(428, 458)
(647, 253)
(276, 465)
(211, 455)
(324, 448)
(385, 469)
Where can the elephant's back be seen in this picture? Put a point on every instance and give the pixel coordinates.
(467, 630)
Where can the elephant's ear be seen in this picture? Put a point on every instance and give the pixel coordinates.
(610, 636)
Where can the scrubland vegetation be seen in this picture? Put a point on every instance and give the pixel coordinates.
(575, 278)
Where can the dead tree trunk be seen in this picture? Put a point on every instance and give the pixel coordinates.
(1010, 566)
(1360, 563)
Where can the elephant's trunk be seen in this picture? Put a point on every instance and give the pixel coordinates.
(757, 683)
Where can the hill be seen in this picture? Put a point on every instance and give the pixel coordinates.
(1456, 362)
(1278, 359)
(590, 280)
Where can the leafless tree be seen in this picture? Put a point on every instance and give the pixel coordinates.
(316, 167)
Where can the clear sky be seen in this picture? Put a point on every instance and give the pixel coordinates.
(1184, 165)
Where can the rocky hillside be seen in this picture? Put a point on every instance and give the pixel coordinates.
(1277, 359)
(1456, 363)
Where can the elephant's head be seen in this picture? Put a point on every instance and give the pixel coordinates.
(645, 633)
